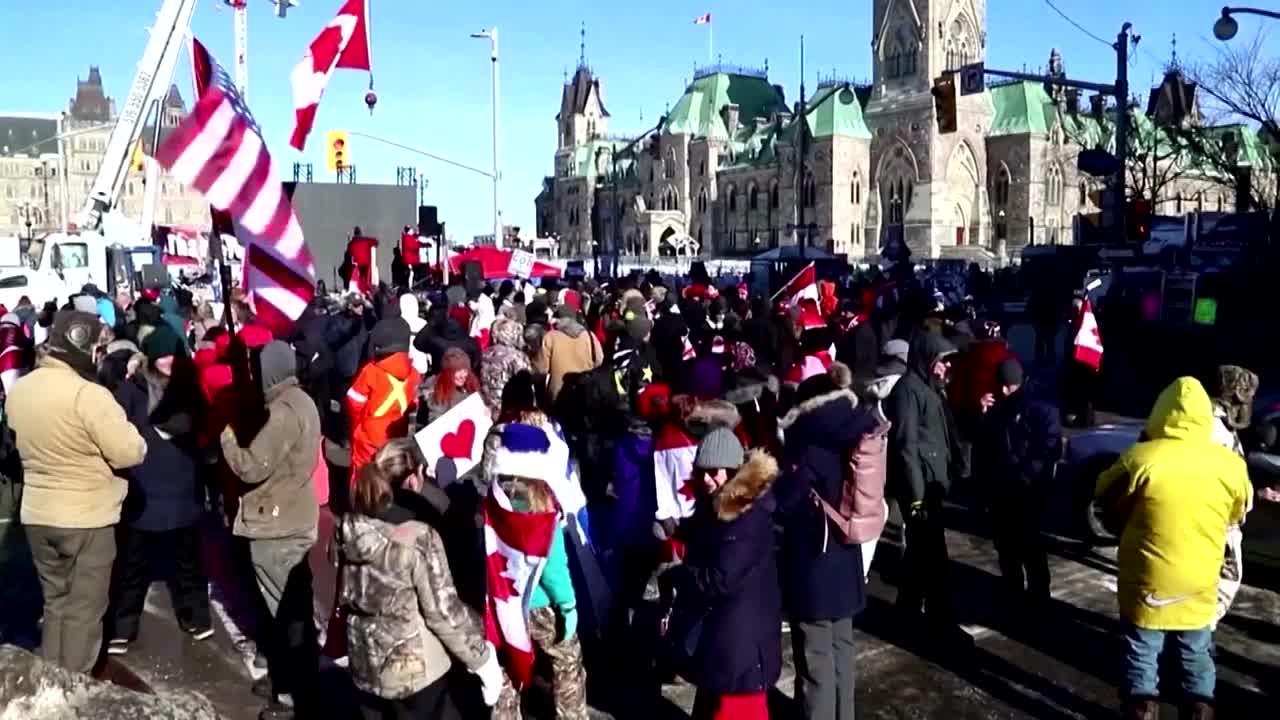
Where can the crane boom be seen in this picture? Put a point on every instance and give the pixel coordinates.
(150, 85)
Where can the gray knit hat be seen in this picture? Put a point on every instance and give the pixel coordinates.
(719, 449)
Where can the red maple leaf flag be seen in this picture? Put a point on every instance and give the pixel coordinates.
(702, 19)
(218, 150)
(803, 286)
(343, 43)
(1088, 342)
(673, 452)
(516, 545)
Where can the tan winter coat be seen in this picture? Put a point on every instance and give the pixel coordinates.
(570, 348)
(277, 465)
(71, 435)
(405, 622)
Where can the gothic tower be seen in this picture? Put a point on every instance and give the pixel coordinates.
(929, 189)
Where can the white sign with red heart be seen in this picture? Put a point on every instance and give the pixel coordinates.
(457, 435)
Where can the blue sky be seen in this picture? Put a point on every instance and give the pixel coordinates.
(433, 80)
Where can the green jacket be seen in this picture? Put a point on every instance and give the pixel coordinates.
(555, 587)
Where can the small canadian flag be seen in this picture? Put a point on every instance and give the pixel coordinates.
(702, 19)
(1088, 342)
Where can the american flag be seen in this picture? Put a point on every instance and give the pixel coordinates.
(218, 150)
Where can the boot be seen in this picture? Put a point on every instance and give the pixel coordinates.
(1197, 710)
(1142, 709)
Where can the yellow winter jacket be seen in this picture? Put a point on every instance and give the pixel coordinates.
(1176, 492)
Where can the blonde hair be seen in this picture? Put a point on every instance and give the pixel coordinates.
(535, 494)
(399, 459)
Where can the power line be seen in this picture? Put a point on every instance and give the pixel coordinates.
(1077, 25)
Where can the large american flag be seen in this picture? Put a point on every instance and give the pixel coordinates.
(218, 150)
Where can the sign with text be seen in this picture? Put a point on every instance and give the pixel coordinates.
(521, 264)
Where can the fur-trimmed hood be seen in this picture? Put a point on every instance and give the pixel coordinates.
(711, 414)
(816, 403)
(736, 497)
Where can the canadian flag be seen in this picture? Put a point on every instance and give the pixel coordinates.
(673, 453)
(702, 19)
(1088, 343)
(803, 286)
(516, 547)
(344, 43)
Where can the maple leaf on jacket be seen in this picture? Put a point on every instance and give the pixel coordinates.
(505, 586)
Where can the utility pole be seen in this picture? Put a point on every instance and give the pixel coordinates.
(803, 130)
(1118, 199)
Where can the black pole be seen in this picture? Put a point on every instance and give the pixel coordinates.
(801, 230)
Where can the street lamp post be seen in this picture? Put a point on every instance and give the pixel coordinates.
(1226, 26)
(491, 35)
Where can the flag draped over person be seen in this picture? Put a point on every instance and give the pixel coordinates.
(804, 286)
(343, 43)
(218, 149)
(516, 547)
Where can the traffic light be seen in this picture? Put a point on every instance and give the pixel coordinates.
(336, 142)
(1139, 221)
(944, 102)
(138, 162)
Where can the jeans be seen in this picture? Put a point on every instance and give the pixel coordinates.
(825, 660)
(1196, 669)
(74, 566)
(139, 551)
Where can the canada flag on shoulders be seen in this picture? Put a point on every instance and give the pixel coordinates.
(516, 547)
(1088, 342)
(673, 453)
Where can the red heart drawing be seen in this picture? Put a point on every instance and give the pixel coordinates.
(458, 444)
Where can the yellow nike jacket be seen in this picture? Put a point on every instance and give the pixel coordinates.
(1176, 492)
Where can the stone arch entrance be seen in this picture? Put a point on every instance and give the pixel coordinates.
(962, 226)
(964, 184)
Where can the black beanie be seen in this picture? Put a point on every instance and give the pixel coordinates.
(390, 336)
(1009, 372)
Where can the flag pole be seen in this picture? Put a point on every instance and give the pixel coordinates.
(711, 35)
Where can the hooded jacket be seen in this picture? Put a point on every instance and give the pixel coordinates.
(409, 310)
(442, 333)
(71, 435)
(730, 577)
(920, 440)
(1177, 492)
(277, 463)
(504, 357)
(822, 579)
(405, 621)
(569, 348)
(378, 405)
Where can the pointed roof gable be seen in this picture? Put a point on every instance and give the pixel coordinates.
(1174, 100)
(697, 112)
(836, 112)
(577, 93)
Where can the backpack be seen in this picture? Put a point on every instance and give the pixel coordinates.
(860, 517)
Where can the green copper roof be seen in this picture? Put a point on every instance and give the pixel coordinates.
(697, 112)
(836, 111)
(584, 156)
(1021, 107)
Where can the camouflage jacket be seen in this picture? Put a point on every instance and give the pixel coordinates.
(405, 621)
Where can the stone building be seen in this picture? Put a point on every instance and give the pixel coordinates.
(731, 170)
(30, 189)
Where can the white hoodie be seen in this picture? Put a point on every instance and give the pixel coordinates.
(409, 311)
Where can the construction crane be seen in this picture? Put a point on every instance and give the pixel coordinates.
(150, 85)
(240, 8)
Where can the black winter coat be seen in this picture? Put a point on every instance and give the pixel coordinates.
(920, 441)
(731, 574)
(165, 491)
(821, 578)
(1020, 441)
(442, 333)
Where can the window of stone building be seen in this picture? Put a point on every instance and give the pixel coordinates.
(1053, 186)
(702, 200)
(855, 190)
(810, 191)
(669, 164)
(733, 199)
(753, 197)
(1220, 202)
(1177, 203)
(1001, 189)
(651, 173)
(1200, 202)
(1084, 194)
(702, 168)
(773, 195)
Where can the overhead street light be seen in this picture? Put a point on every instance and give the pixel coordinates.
(1226, 26)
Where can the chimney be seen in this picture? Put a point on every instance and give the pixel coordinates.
(729, 113)
(1097, 105)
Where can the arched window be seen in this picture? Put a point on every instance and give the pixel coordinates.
(753, 197)
(1220, 202)
(651, 173)
(1053, 186)
(1177, 203)
(669, 164)
(773, 195)
(702, 200)
(810, 191)
(855, 189)
(1001, 190)
(1084, 194)
(732, 194)
(1200, 202)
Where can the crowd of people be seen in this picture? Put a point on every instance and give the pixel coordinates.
(739, 455)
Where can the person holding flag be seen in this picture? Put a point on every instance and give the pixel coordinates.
(1084, 367)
